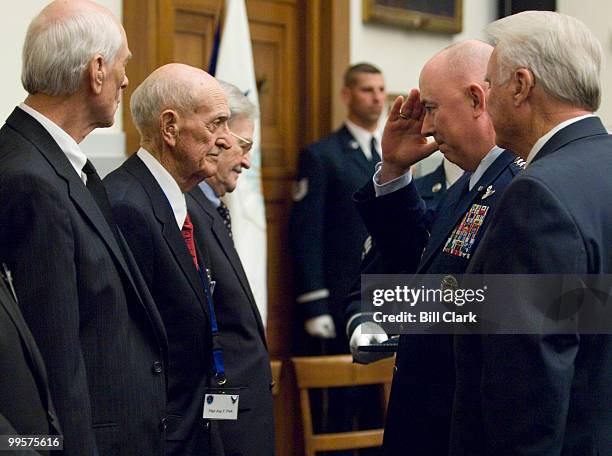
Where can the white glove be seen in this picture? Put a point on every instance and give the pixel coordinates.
(368, 333)
(321, 326)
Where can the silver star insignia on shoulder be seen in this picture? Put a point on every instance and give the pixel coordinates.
(488, 192)
(520, 162)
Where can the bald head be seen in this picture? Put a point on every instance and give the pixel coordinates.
(462, 62)
(453, 91)
(178, 87)
(61, 42)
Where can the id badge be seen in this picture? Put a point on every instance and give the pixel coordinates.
(221, 404)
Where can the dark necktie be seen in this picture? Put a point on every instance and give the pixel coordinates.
(97, 190)
(187, 232)
(375, 155)
(225, 215)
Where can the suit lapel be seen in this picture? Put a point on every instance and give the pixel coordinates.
(354, 153)
(590, 126)
(455, 207)
(77, 191)
(221, 235)
(170, 232)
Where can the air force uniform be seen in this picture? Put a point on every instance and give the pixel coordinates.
(327, 234)
(423, 386)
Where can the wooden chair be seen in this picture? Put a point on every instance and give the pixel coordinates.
(333, 371)
(276, 366)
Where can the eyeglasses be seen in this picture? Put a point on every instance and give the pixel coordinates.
(244, 144)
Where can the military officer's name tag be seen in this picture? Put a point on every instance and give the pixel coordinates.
(221, 406)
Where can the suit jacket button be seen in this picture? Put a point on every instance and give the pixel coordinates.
(157, 367)
(207, 425)
(163, 425)
(394, 370)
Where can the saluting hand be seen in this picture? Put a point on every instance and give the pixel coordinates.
(403, 145)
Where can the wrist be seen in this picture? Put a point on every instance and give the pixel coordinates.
(389, 172)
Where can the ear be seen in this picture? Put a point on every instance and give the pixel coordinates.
(168, 125)
(524, 82)
(345, 93)
(477, 98)
(96, 73)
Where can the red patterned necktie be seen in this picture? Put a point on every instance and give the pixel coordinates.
(187, 233)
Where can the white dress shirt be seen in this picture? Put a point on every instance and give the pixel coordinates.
(73, 152)
(364, 138)
(173, 192)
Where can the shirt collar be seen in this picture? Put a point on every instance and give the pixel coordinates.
(210, 193)
(173, 192)
(71, 149)
(544, 139)
(484, 165)
(364, 137)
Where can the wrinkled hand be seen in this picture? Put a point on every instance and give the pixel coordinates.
(375, 335)
(403, 145)
(321, 326)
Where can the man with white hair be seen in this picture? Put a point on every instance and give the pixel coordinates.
(181, 114)
(78, 286)
(242, 334)
(538, 394)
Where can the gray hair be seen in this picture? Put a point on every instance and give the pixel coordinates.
(563, 54)
(157, 93)
(239, 104)
(56, 51)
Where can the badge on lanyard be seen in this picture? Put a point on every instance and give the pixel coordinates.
(221, 404)
(462, 238)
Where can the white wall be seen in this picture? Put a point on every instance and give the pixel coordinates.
(106, 146)
(597, 14)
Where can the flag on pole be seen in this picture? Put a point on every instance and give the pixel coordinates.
(233, 62)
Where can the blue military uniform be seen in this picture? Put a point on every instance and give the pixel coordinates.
(326, 231)
(418, 417)
(432, 188)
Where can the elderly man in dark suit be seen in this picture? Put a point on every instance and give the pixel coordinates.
(451, 107)
(181, 114)
(543, 394)
(25, 402)
(242, 333)
(79, 288)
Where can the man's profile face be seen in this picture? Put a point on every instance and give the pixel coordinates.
(365, 99)
(113, 85)
(202, 137)
(499, 104)
(237, 157)
(447, 114)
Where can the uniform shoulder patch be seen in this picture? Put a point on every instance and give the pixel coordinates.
(300, 189)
